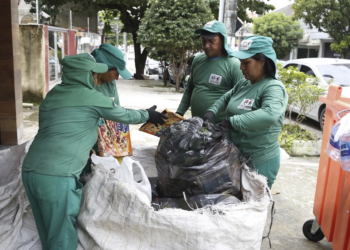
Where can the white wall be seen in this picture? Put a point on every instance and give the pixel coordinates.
(279, 3)
(79, 19)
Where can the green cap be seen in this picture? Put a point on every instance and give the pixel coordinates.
(82, 62)
(252, 45)
(215, 27)
(113, 57)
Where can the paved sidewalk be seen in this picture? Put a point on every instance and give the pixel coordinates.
(295, 182)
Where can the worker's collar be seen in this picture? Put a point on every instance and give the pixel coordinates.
(214, 58)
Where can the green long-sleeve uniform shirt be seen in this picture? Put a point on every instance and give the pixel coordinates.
(210, 79)
(256, 114)
(66, 135)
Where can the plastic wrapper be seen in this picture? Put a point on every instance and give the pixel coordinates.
(161, 203)
(189, 160)
(154, 186)
(202, 200)
(152, 129)
(114, 139)
(194, 202)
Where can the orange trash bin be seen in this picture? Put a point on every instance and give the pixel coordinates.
(332, 199)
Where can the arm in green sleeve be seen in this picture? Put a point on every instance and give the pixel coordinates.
(186, 98)
(271, 110)
(123, 115)
(220, 105)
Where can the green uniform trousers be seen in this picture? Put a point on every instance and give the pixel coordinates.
(55, 202)
(269, 169)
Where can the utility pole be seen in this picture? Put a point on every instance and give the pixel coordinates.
(37, 12)
(230, 19)
(117, 31)
(221, 10)
(125, 47)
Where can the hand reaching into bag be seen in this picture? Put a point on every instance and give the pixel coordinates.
(155, 117)
(222, 128)
(209, 120)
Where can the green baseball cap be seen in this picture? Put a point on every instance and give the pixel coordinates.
(113, 57)
(252, 45)
(215, 27)
(82, 62)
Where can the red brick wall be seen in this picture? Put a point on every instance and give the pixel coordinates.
(72, 43)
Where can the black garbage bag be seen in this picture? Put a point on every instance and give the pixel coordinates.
(154, 186)
(189, 160)
(202, 200)
(161, 203)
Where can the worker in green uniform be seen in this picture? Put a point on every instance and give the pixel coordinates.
(213, 72)
(255, 107)
(106, 84)
(68, 121)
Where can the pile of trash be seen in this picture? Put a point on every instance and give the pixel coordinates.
(192, 164)
(224, 204)
(114, 214)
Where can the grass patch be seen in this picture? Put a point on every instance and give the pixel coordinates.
(293, 132)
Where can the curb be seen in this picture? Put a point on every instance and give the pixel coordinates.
(305, 148)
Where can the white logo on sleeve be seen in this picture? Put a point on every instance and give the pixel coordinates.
(246, 104)
(215, 79)
(245, 45)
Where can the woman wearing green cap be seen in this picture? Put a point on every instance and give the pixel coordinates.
(68, 120)
(114, 59)
(255, 107)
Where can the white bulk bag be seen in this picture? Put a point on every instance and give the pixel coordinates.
(17, 226)
(114, 215)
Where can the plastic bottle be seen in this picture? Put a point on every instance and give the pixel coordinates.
(345, 152)
(333, 147)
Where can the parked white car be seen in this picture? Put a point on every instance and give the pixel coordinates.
(325, 69)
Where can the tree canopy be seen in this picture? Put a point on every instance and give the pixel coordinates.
(330, 16)
(130, 13)
(258, 6)
(169, 26)
(284, 32)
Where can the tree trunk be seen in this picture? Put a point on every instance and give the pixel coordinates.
(140, 58)
(165, 76)
(177, 86)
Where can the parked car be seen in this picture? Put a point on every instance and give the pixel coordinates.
(162, 66)
(325, 69)
(172, 78)
(183, 80)
(151, 67)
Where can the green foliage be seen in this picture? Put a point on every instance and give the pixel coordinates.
(169, 26)
(284, 32)
(107, 17)
(158, 55)
(130, 13)
(327, 16)
(303, 90)
(292, 132)
(110, 26)
(51, 7)
(260, 7)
